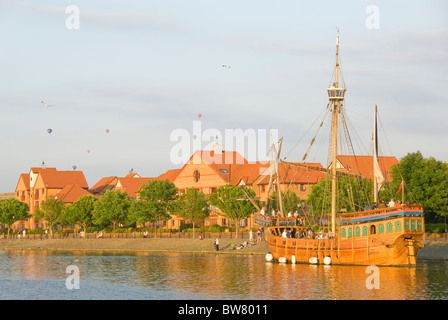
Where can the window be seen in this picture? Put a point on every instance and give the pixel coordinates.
(302, 187)
(196, 176)
(389, 227)
(419, 225)
(372, 229)
(364, 230)
(381, 228)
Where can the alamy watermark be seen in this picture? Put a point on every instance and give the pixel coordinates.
(373, 18)
(250, 143)
(72, 281)
(373, 280)
(73, 20)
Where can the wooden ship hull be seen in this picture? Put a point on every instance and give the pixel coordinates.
(381, 237)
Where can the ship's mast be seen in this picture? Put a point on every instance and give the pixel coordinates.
(375, 158)
(335, 95)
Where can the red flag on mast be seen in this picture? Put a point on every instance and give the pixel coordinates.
(400, 187)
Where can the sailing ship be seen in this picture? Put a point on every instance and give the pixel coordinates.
(388, 236)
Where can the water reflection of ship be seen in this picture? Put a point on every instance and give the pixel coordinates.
(386, 236)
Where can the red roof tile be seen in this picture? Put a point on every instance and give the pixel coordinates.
(170, 175)
(131, 185)
(104, 184)
(25, 178)
(59, 179)
(363, 165)
(71, 193)
(292, 174)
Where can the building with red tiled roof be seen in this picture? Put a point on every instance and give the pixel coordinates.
(71, 193)
(295, 178)
(104, 184)
(208, 170)
(169, 175)
(42, 183)
(363, 165)
(131, 185)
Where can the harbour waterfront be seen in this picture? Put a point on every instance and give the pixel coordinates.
(42, 274)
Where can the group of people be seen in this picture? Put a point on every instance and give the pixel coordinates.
(382, 204)
(260, 231)
(308, 233)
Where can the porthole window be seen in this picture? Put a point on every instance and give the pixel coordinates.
(196, 176)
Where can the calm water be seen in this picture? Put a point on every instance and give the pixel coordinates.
(42, 275)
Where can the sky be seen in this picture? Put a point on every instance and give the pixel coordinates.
(151, 73)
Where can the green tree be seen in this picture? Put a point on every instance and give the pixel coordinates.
(425, 182)
(80, 211)
(13, 210)
(192, 205)
(155, 202)
(231, 201)
(290, 201)
(353, 194)
(50, 211)
(112, 208)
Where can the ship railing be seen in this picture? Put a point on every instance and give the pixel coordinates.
(381, 211)
(262, 220)
(287, 222)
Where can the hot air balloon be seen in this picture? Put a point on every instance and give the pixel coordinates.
(88, 151)
(107, 130)
(199, 115)
(74, 167)
(49, 130)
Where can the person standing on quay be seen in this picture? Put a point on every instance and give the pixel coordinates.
(216, 244)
